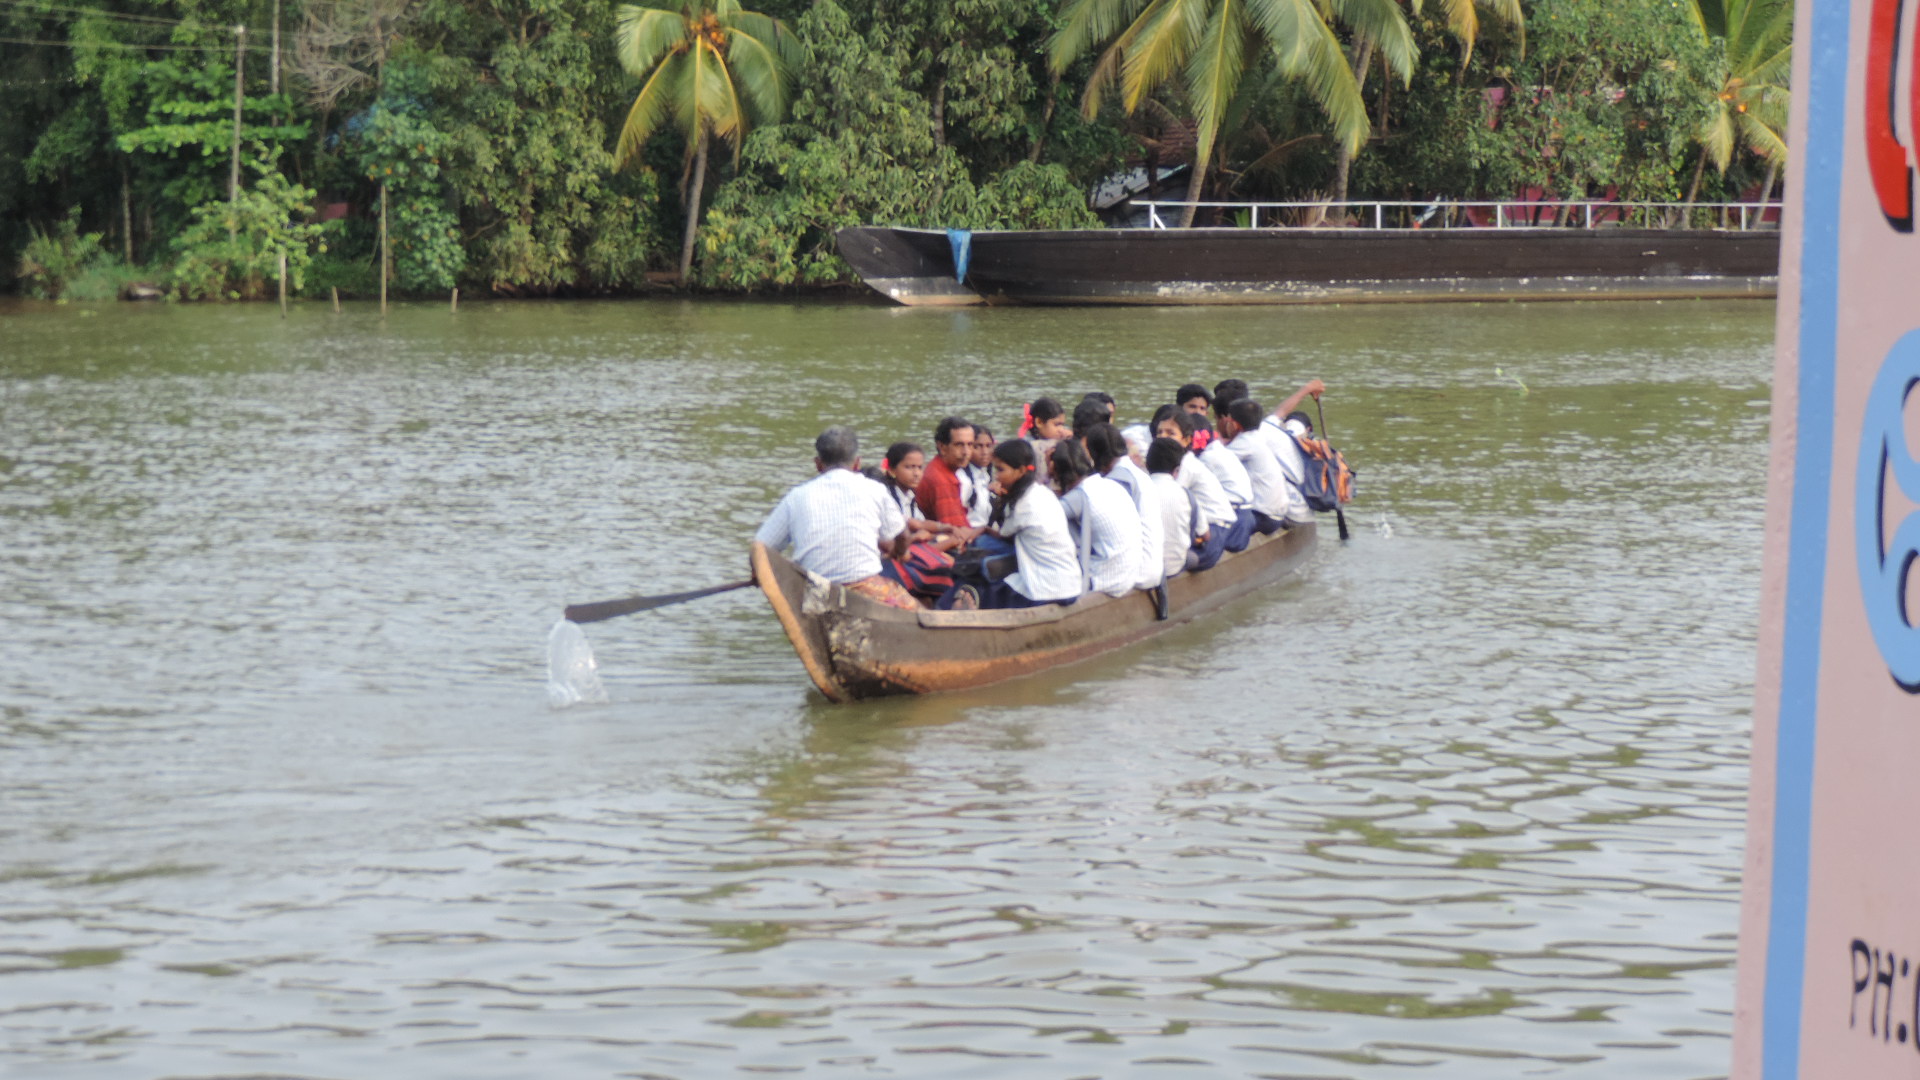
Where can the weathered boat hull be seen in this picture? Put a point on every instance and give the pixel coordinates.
(1292, 266)
(911, 266)
(854, 648)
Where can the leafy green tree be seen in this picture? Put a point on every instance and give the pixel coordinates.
(1754, 43)
(711, 67)
(1209, 44)
(230, 249)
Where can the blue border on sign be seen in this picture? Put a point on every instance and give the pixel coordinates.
(1819, 299)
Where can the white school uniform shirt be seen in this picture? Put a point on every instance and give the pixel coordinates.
(1273, 494)
(902, 498)
(1292, 462)
(976, 494)
(1176, 519)
(836, 523)
(1228, 470)
(1042, 547)
(1146, 503)
(1107, 531)
(1204, 489)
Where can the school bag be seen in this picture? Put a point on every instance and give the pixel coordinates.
(1329, 481)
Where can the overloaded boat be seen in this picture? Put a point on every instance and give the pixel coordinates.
(855, 648)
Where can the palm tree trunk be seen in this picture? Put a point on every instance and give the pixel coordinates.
(1194, 187)
(1343, 157)
(1766, 191)
(1693, 189)
(940, 112)
(693, 206)
(1046, 121)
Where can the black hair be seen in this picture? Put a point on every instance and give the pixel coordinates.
(1247, 413)
(1105, 445)
(898, 452)
(1187, 422)
(1302, 417)
(982, 429)
(1164, 455)
(1200, 422)
(1162, 414)
(1018, 454)
(837, 447)
(1069, 464)
(1103, 398)
(876, 474)
(943, 434)
(1089, 412)
(1226, 392)
(1189, 392)
(1039, 409)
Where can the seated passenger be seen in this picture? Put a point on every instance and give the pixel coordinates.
(1089, 412)
(1178, 516)
(1109, 452)
(926, 568)
(1106, 401)
(1043, 423)
(1217, 522)
(976, 480)
(1277, 501)
(1106, 526)
(938, 494)
(1192, 398)
(1048, 571)
(838, 523)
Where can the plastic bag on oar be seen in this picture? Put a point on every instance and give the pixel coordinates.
(573, 678)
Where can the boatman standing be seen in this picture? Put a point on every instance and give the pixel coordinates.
(839, 522)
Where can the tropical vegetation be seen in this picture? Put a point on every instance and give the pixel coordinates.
(544, 147)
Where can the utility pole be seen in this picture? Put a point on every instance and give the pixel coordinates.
(384, 261)
(239, 96)
(273, 76)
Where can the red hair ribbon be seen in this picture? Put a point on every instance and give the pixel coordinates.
(1201, 438)
(1026, 419)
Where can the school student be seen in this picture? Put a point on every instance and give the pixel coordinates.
(1108, 448)
(1216, 522)
(839, 522)
(1183, 529)
(976, 480)
(1043, 422)
(1106, 526)
(1028, 515)
(926, 570)
(1193, 398)
(1277, 501)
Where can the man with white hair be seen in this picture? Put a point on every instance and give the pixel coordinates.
(839, 522)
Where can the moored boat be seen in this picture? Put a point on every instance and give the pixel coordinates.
(855, 648)
(1313, 265)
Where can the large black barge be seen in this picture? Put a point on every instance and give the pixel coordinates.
(920, 267)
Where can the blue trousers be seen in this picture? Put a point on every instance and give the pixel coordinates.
(1241, 534)
(1265, 525)
(1205, 555)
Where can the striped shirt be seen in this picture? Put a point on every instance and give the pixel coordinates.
(836, 523)
(1107, 533)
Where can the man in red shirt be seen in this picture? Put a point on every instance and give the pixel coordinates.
(939, 493)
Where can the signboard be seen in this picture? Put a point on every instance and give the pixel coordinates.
(1829, 971)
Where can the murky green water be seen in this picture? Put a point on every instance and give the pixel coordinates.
(280, 794)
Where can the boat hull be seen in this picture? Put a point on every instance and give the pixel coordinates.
(1295, 265)
(854, 648)
(910, 266)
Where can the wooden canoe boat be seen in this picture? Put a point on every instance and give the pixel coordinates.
(855, 648)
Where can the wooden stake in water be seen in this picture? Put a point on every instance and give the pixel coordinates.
(383, 249)
(283, 284)
(455, 305)
(335, 290)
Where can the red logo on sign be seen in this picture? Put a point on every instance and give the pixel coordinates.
(1886, 158)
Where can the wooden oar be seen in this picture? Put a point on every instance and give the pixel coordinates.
(1338, 514)
(612, 609)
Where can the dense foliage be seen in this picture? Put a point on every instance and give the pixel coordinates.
(492, 126)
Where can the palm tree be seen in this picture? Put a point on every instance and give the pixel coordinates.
(1209, 44)
(1750, 105)
(713, 70)
(1463, 22)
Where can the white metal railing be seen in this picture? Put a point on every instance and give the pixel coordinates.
(1507, 213)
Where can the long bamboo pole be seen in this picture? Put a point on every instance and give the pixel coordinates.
(385, 262)
(239, 97)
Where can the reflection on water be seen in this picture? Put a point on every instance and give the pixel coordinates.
(283, 797)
